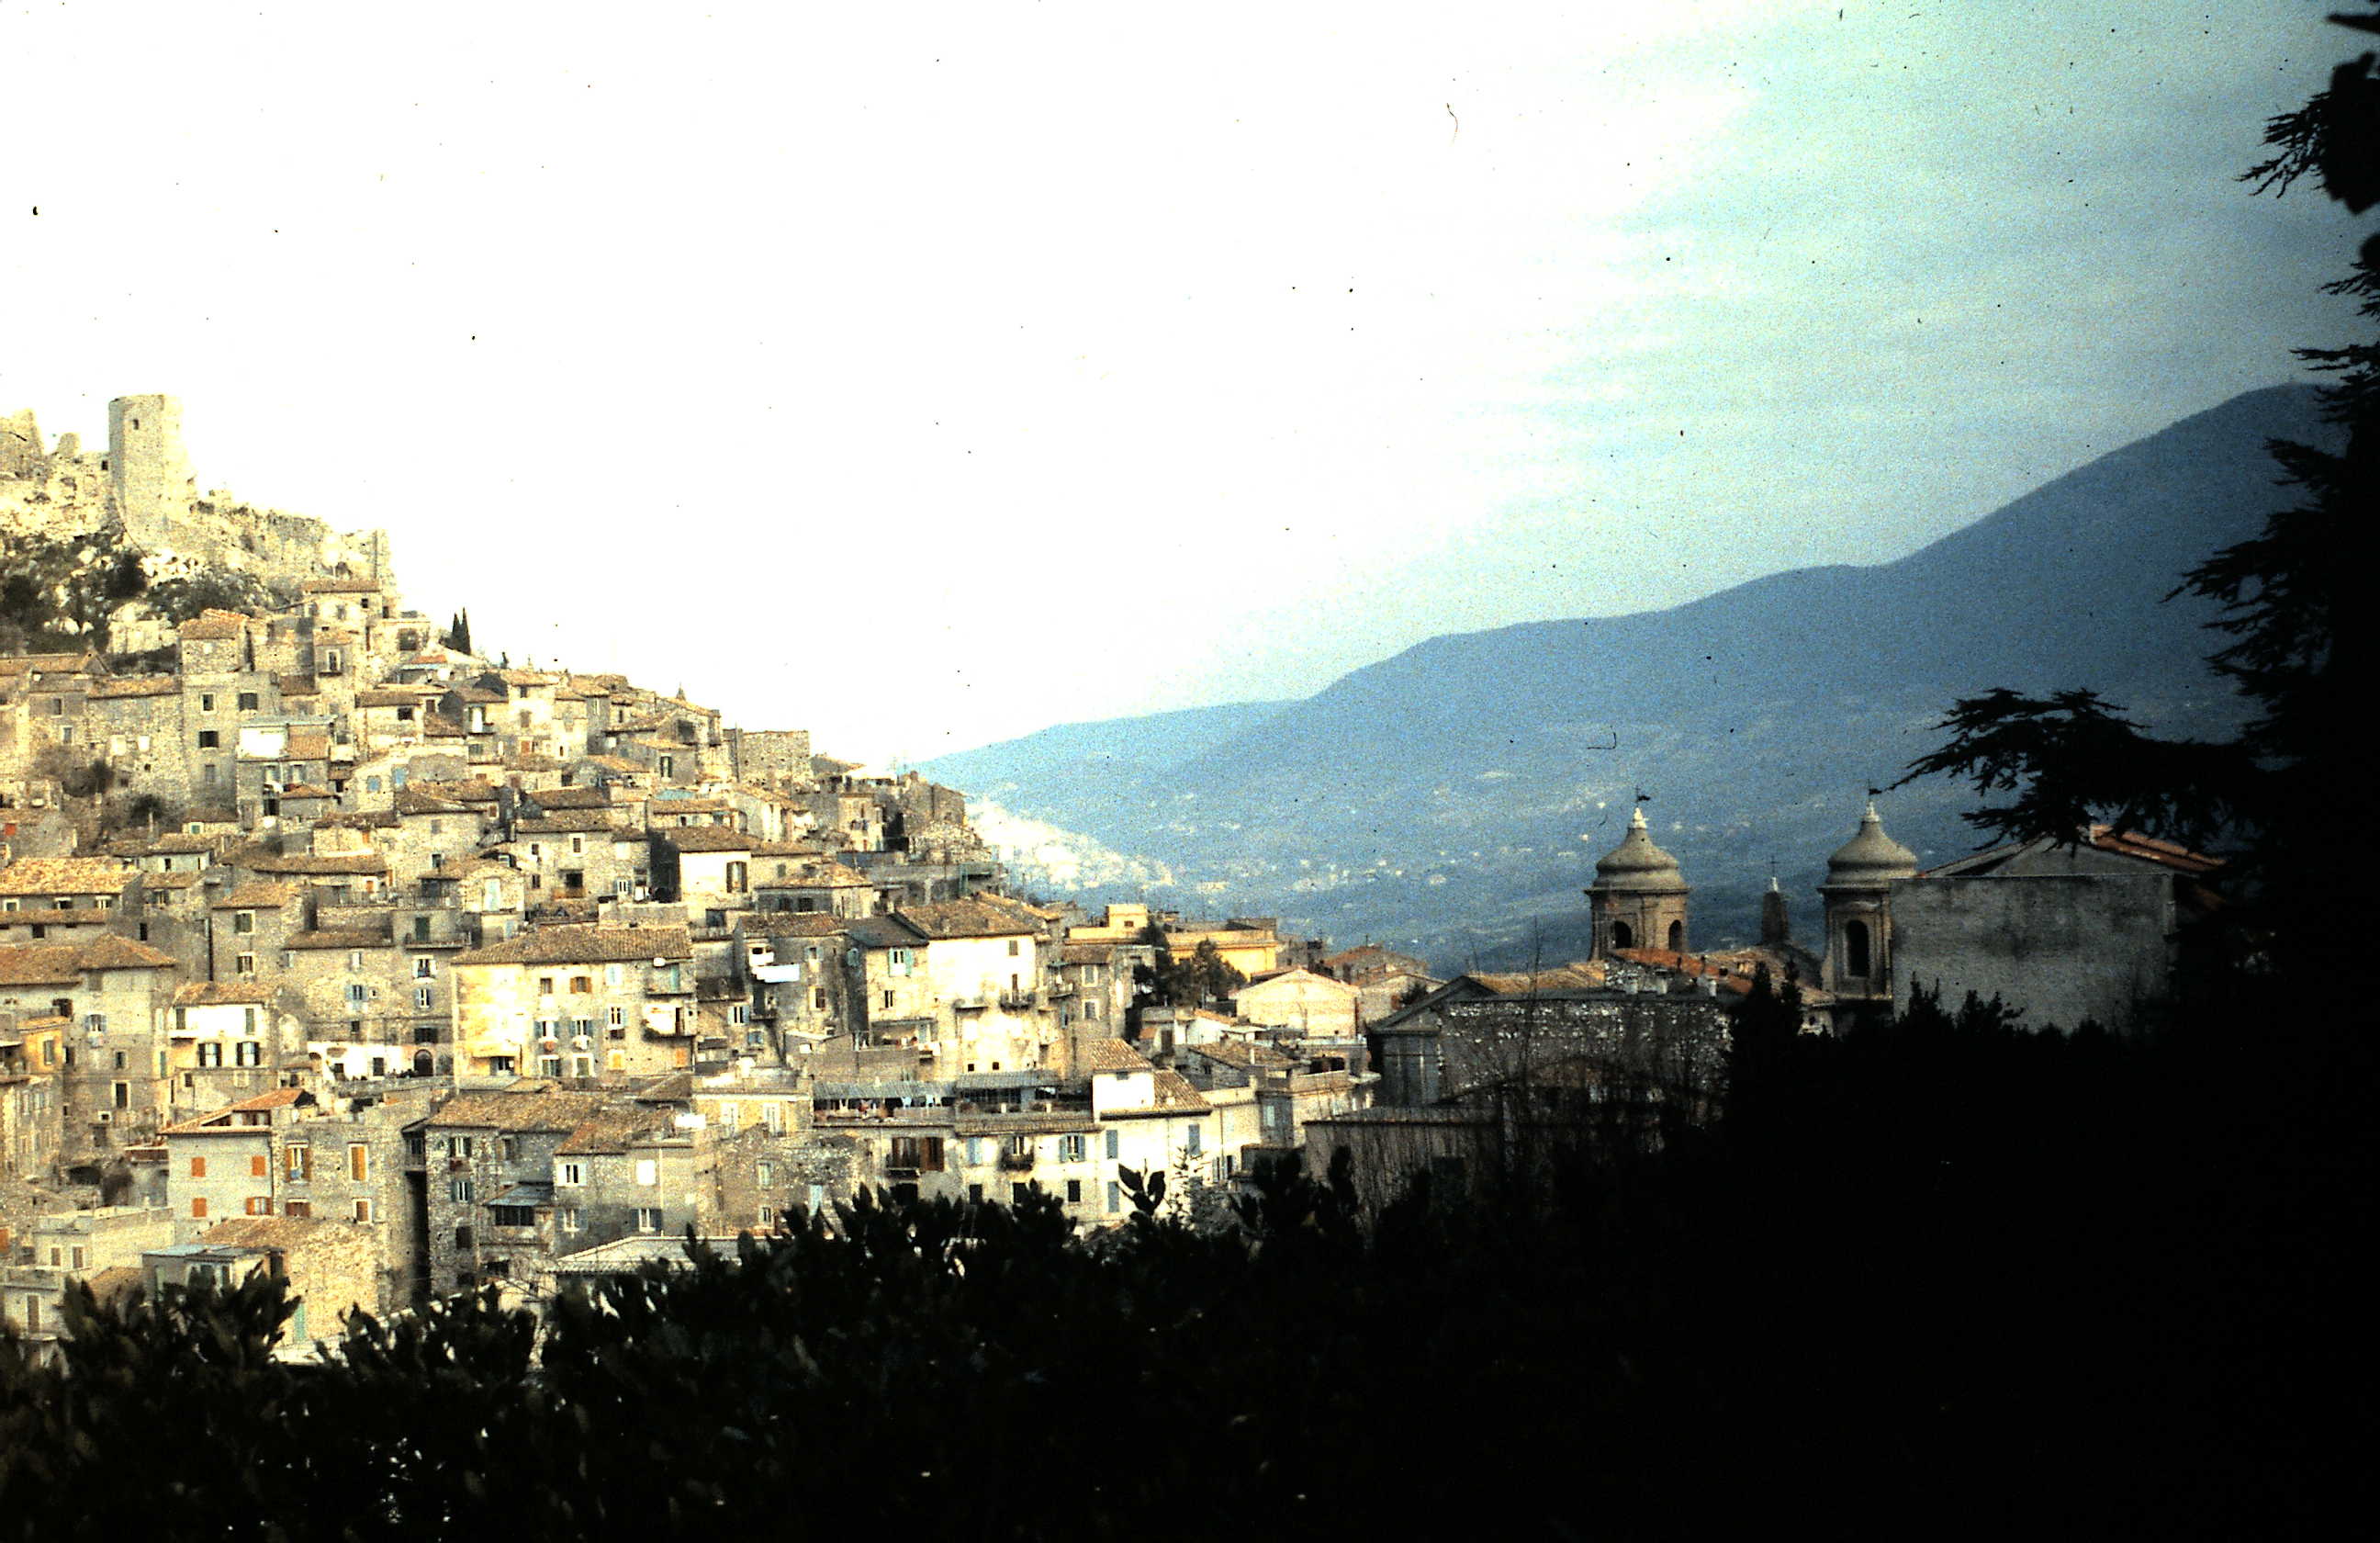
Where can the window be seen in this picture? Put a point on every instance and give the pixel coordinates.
(297, 1209)
(358, 1162)
(210, 1054)
(460, 1191)
(904, 961)
(515, 1216)
(764, 1174)
(243, 922)
(570, 1219)
(197, 1206)
(1856, 948)
(729, 1116)
(424, 998)
(545, 984)
(1074, 1192)
(617, 1017)
(363, 1210)
(648, 1172)
(206, 701)
(259, 1166)
(1190, 1141)
(1019, 1193)
(508, 1148)
(425, 969)
(1011, 948)
(1115, 1146)
(244, 963)
(461, 1145)
(580, 985)
(259, 1205)
(570, 1173)
(1071, 1148)
(247, 1053)
(357, 994)
(577, 844)
(297, 1163)
(463, 1238)
(648, 1219)
(197, 1167)
(209, 740)
(248, 702)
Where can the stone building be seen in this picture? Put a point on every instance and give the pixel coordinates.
(2090, 931)
(577, 1002)
(1638, 899)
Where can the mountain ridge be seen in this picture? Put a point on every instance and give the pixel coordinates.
(1443, 787)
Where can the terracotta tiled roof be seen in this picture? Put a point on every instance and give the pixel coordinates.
(258, 894)
(37, 964)
(566, 823)
(609, 1130)
(976, 917)
(220, 993)
(349, 938)
(530, 1107)
(66, 875)
(585, 946)
(137, 686)
(554, 798)
(319, 864)
(339, 586)
(1113, 1055)
(1173, 1091)
(213, 625)
(705, 838)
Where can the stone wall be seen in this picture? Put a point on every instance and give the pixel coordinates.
(2066, 948)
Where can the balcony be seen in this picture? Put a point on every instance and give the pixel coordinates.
(1015, 1163)
(1017, 1001)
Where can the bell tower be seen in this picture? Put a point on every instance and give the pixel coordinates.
(1638, 899)
(1858, 893)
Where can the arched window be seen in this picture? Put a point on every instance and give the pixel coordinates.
(1677, 937)
(1855, 950)
(1623, 935)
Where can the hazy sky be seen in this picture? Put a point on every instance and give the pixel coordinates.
(926, 375)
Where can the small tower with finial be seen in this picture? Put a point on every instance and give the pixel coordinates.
(1638, 899)
(1858, 893)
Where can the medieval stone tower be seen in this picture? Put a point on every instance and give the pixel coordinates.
(1638, 899)
(1858, 892)
(149, 473)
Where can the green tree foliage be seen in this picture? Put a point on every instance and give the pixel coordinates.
(457, 634)
(181, 599)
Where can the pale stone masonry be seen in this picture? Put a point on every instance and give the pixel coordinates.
(402, 970)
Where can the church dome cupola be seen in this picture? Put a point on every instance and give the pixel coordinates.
(1870, 858)
(1637, 866)
(1638, 899)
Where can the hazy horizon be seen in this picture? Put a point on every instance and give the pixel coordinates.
(1061, 365)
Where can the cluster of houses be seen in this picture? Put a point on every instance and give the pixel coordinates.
(331, 949)
(399, 971)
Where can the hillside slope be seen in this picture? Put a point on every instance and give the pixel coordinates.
(1436, 799)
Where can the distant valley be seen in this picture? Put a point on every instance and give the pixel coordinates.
(1436, 800)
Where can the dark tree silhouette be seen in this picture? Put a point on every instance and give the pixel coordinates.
(2281, 792)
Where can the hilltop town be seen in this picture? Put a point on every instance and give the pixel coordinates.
(328, 943)
(332, 946)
